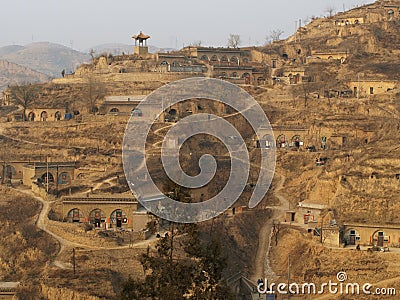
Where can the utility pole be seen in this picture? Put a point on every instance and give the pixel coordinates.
(73, 260)
(4, 167)
(56, 179)
(47, 174)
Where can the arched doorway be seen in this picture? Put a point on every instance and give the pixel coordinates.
(43, 116)
(64, 178)
(246, 77)
(281, 141)
(267, 141)
(352, 237)
(296, 141)
(75, 216)
(57, 116)
(9, 172)
(97, 218)
(380, 239)
(31, 116)
(48, 176)
(118, 218)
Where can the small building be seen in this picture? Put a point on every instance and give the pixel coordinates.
(219, 56)
(371, 235)
(365, 87)
(8, 290)
(327, 56)
(141, 48)
(106, 211)
(51, 173)
(121, 105)
(349, 21)
(39, 115)
(309, 212)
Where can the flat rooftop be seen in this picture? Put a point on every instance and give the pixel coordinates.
(124, 98)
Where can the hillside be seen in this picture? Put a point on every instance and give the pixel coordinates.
(11, 73)
(367, 37)
(44, 57)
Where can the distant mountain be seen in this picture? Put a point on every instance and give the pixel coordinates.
(10, 49)
(11, 73)
(44, 57)
(112, 48)
(119, 48)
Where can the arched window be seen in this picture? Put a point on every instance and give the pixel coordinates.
(137, 112)
(47, 177)
(204, 58)
(267, 141)
(97, 217)
(246, 75)
(164, 63)
(245, 60)
(296, 141)
(224, 58)
(234, 75)
(114, 110)
(64, 178)
(281, 141)
(352, 237)
(75, 215)
(118, 218)
(234, 59)
(214, 58)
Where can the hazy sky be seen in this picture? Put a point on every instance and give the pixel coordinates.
(170, 23)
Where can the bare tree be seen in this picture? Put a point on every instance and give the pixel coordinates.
(234, 40)
(196, 43)
(275, 35)
(330, 10)
(94, 92)
(91, 53)
(23, 95)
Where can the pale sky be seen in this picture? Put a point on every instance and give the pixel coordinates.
(83, 24)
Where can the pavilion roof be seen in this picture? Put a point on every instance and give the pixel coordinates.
(141, 36)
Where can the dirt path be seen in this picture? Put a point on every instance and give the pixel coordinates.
(262, 263)
(41, 223)
(99, 184)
